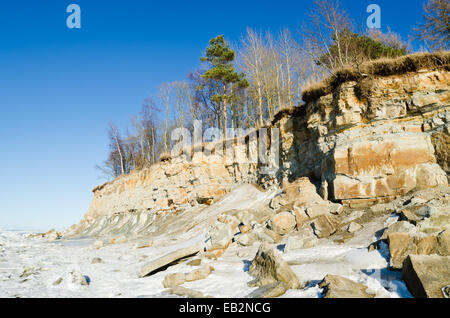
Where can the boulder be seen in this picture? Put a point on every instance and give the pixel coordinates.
(58, 281)
(304, 238)
(220, 236)
(399, 227)
(246, 239)
(200, 273)
(427, 276)
(168, 259)
(172, 280)
(176, 279)
(96, 260)
(416, 213)
(195, 262)
(186, 292)
(299, 193)
(335, 286)
(282, 223)
(245, 228)
(79, 279)
(353, 227)
(273, 290)
(402, 244)
(323, 227)
(268, 267)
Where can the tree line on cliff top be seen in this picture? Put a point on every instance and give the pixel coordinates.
(246, 84)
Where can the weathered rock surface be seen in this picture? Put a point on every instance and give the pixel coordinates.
(427, 275)
(340, 287)
(168, 259)
(283, 223)
(268, 267)
(304, 238)
(79, 279)
(402, 244)
(358, 150)
(186, 292)
(323, 227)
(273, 290)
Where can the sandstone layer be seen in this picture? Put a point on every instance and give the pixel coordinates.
(355, 150)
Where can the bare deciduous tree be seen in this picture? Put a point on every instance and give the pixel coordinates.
(435, 30)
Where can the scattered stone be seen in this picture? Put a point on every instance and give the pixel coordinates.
(200, 273)
(186, 292)
(316, 209)
(269, 267)
(28, 271)
(220, 236)
(418, 200)
(273, 290)
(415, 214)
(427, 276)
(194, 262)
(245, 228)
(96, 260)
(304, 238)
(353, 227)
(172, 280)
(336, 208)
(282, 223)
(98, 245)
(52, 235)
(58, 281)
(168, 259)
(323, 227)
(399, 227)
(340, 287)
(246, 239)
(79, 279)
(402, 244)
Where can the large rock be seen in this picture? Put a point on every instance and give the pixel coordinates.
(220, 236)
(176, 279)
(323, 227)
(273, 290)
(426, 276)
(301, 193)
(168, 259)
(304, 238)
(402, 244)
(399, 227)
(283, 223)
(186, 292)
(340, 287)
(268, 267)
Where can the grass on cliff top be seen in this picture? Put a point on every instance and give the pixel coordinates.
(380, 67)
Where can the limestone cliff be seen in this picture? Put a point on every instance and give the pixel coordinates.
(356, 148)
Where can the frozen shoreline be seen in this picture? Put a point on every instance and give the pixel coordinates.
(117, 275)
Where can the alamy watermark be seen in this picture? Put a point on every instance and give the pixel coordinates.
(73, 21)
(374, 19)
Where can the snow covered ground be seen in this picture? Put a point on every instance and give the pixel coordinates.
(29, 267)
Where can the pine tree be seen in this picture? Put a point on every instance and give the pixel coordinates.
(220, 58)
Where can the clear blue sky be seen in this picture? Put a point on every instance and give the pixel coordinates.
(60, 87)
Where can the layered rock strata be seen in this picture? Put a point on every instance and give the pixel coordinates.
(355, 150)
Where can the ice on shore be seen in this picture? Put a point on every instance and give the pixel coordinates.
(37, 268)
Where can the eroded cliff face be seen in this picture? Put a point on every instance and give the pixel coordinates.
(356, 145)
(374, 147)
